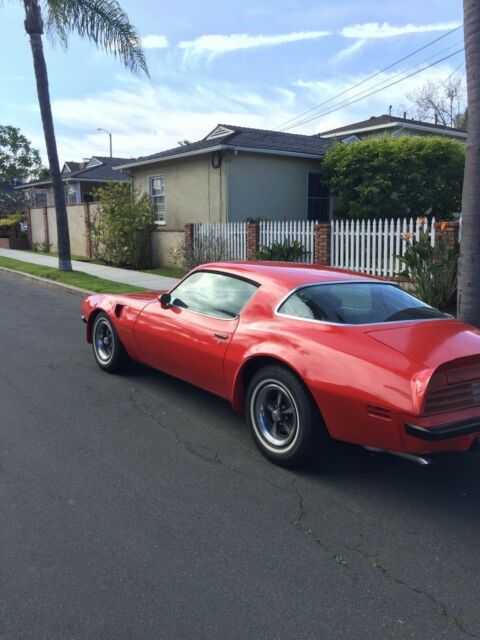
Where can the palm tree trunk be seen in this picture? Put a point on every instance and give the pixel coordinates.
(34, 28)
(469, 265)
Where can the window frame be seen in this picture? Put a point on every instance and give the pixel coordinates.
(218, 273)
(151, 196)
(318, 198)
(346, 324)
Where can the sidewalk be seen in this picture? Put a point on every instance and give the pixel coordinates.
(125, 276)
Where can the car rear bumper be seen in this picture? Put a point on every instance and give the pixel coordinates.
(445, 431)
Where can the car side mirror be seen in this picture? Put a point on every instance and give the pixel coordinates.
(165, 299)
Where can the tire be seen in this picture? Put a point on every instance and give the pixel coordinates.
(284, 421)
(109, 352)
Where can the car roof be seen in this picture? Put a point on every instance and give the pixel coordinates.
(287, 274)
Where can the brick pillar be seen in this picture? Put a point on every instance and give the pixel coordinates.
(88, 236)
(189, 236)
(253, 239)
(46, 232)
(448, 231)
(322, 243)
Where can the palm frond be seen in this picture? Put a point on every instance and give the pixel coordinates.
(103, 22)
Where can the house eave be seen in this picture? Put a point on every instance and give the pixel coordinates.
(223, 147)
(390, 125)
(66, 179)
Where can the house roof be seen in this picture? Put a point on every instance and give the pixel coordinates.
(97, 169)
(242, 139)
(387, 121)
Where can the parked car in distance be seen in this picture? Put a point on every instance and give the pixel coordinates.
(309, 353)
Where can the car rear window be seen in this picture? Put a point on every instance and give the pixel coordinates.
(356, 303)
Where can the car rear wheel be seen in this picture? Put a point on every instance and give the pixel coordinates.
(109, 352)
(284, 420)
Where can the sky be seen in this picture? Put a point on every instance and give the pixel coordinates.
(254, 64)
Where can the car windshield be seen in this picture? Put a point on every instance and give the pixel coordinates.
(356, 303)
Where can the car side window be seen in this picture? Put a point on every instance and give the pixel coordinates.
(213, 294)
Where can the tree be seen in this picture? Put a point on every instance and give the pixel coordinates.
(469, 264)
(19, 162)
(104, 23)
(396, 177)
(440, 102)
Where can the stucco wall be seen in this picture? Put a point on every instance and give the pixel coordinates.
(77, 229)
(37, 225)
(270, 187)
(162, 242)
(194, 190)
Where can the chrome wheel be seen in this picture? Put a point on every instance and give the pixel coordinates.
(103, 340)
(274, 415)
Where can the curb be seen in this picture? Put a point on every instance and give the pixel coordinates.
(69, 288)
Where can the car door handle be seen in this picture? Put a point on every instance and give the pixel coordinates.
(221, 336)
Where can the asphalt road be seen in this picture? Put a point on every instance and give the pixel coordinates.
(137, 507)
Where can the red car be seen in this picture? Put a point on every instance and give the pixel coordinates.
(309, 353)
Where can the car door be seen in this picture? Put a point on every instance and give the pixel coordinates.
(189, 337)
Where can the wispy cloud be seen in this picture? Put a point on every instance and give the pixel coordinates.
(154, 42)
(213, 45)
(348, 52)
(385, 30)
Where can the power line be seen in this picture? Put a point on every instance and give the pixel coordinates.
(374, 75)
(368, 91)
(320, 115)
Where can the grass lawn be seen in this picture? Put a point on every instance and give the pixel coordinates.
(75, 278)
(168, 272)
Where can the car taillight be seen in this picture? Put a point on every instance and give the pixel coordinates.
(453, 390)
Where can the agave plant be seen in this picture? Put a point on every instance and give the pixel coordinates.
(285, 251)
(432, 270)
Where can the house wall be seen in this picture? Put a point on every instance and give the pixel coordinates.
(194, 190)
(270, 187)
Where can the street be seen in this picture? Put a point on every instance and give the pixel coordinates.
(137, 507)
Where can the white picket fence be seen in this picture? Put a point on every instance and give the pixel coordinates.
(372, 246)
(302, 231)
(233, 236)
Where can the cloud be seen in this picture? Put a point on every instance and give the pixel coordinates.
(348, 52)
(154, 42)
(213, 45)
(386, 30)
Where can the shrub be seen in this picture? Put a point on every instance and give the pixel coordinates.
(10, 227)
(119, 230)
(208, 248)
(285, 251)
(396, 177)
(432, 270)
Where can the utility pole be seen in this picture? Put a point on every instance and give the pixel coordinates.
(109, 136)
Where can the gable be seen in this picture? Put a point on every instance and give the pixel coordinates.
(93, 162)
(219, 132)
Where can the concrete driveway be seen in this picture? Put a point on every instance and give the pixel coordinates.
(137, 507)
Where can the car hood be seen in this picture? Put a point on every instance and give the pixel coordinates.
(431, 342)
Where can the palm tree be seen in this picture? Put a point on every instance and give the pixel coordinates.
(469, 265)
(104, 23)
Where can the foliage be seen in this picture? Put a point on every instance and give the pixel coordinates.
(103, 22)
(73, 278)
(396, 177)
(10, 227)
(41, 247)
(119, 231)
(285, 251)
(208, 248)
(432, 270)
(19, 162)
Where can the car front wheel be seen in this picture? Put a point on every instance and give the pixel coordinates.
(283, 418)
(109, 352)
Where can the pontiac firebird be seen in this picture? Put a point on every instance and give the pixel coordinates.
(310, 354)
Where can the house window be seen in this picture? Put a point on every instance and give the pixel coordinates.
(318, 199)
(72, 193)
(39, 199)
(156, 188)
